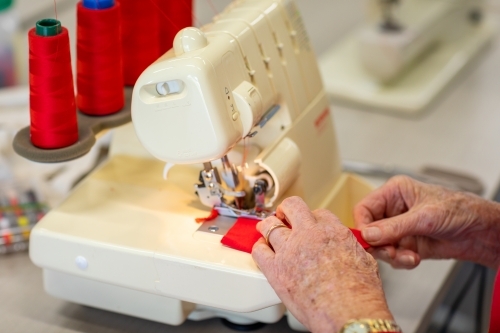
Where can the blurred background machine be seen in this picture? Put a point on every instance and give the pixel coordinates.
(406, 53)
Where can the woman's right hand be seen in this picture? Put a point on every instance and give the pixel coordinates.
(406, 221)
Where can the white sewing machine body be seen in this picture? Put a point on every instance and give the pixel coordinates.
(127, 241)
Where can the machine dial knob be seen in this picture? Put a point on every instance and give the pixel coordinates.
(188, 40)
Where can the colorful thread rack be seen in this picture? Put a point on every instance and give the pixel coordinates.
(18, 216)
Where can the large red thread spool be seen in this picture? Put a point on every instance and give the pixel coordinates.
(180, 16)
(52, 95)
(99, 58)
(140, 37)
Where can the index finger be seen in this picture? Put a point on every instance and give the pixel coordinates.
(296, 212)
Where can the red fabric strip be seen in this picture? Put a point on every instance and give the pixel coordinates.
(495, 307)
(213, 215)
(361, 241)
(243, 235)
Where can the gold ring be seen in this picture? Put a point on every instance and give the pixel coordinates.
(268, 233)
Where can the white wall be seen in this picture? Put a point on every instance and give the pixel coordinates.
(326, 20)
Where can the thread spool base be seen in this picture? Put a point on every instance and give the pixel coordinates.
(88, 128)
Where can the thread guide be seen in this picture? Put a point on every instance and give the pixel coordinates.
(88, 128)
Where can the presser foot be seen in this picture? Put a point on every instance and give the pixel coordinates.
(230, 211)
(238, 200)
(210, 189)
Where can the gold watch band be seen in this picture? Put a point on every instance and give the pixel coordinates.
(373, 325)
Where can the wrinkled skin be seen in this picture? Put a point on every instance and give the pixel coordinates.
(417, 221)
(318, 269)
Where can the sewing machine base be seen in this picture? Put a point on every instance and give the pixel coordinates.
(149, 306)
(128, 243)
(347, 82)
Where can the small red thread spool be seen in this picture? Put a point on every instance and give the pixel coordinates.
(180, 14)
(99, 58)
(52, 95)
(140, 38)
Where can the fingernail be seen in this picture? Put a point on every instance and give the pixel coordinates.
(407, 260)
(372, 234)
(384, 254)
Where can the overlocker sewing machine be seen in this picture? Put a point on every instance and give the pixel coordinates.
(237, 110)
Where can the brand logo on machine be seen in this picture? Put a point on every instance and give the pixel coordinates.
(187, 153)
(320, 121)
(171, 105)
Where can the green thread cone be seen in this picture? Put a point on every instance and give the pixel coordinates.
(48, 27)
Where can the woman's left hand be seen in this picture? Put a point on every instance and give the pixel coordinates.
(318, 269)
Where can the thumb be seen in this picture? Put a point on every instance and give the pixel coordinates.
(392, 230)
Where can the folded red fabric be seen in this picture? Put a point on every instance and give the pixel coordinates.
(243, 235)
